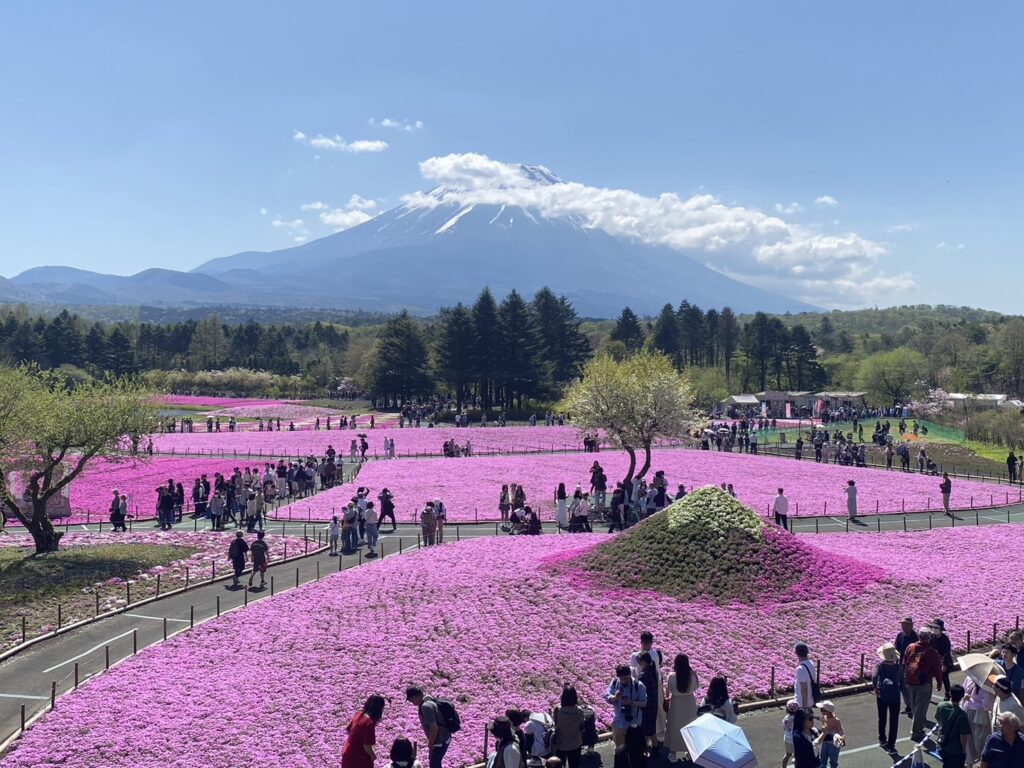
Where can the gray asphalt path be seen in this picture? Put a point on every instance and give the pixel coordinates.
(27, 678)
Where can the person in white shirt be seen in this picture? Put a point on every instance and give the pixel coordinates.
(1004, 702)
(333, 534)
(370, 526)
(537, 725)
(780, 508)
(806, 675)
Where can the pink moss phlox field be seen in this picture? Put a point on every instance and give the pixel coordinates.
(201, 553)
(282, 677)
(204, 401)
(470, 487)
(284, 411)
(408, 441)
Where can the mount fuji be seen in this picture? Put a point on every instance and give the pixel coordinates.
(434, 253)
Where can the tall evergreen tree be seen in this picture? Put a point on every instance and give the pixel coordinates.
(728, 340)
(455, 355)
(520, 345)
(487, 350)
(563, 349)
(398, 367)
(666, 337)
(628, 330)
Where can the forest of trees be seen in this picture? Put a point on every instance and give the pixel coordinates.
(507, 351)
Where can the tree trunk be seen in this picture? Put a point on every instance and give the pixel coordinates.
(647, 462)
(46, 538)
(632, 466)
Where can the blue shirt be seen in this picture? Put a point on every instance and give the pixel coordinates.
(635, 692)
(999, 753)
(1015, 676)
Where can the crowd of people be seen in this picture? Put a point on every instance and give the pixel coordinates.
(359, 522)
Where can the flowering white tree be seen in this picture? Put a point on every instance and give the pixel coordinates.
(634, 402)
(933, 405)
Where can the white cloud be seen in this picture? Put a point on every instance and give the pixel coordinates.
(337, 144)
(293, 224)
(300, 239)
(826, 200)
(317, 206)
(402, 125)
(907, 226)
(751, 245)
(942, 245)
(263, 211)
(356, 211)
(791, 208)
(295, 227)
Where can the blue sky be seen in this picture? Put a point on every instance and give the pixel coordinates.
(145, 134)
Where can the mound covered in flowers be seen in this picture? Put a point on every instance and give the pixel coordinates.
(313, 654)
(708, 546)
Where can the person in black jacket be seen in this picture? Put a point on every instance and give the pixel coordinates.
(940, 642)
(888, 686)
(804, 755)
(906, 636)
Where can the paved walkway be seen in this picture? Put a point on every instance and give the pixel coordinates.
(763, 729)
(27, 677)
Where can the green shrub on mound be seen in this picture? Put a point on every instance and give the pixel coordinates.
(709, 546)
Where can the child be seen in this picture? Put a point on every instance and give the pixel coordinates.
(787, 730)
(832, 737)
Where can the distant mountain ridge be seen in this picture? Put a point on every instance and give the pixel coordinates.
(422, 258)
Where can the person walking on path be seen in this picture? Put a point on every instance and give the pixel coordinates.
(1011, 467)
(904, 638)
(236, 554)
(851, 499)
(921, 665)
(946, 488)
(780, 508)
(433, 723)
(358, 751)
(118, 511)
(370, 524)
(387, 509)
(942, 645)
(888, 685)
(440, 517)
(260, 554)
(682, 704)
(956, 729)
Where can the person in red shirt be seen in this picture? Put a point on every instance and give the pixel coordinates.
(362, 735)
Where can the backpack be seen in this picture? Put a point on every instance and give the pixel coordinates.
(450, 716)
(912, 664)
(815, 685)
(589, 726)
(888, 684)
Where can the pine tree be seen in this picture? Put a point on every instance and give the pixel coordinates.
(665, 337)
(487, 350)
(628, 330)
(454, 348)
(520, 343)
(398, 367)
(728, 339)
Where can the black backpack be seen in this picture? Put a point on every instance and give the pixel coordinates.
(450, 716)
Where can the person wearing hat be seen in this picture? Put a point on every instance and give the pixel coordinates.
(806, 677)
(1005, 700)
(888, 685)
(942, 646)
(906, 636)
(832, 737)
(506, 749)
(921, 665)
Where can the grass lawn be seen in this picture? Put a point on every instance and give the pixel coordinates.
(33, 586)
